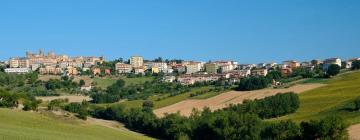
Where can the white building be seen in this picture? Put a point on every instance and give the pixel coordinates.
(328, 62)
(193, 67)
(18, 70)
(123, 68)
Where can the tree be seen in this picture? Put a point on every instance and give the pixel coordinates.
(331, 127)
(81, 83)
(333, 70)
(357, 103)
(355, 65)
(281, 131)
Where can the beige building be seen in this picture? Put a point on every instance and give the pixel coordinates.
(50, 70)
(193, 67)
(259, 72)
(211, 68)
(123, 68)
(19, 62)
(291, 64)
(137, 61)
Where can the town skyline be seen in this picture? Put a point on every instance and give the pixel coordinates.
(152, 57)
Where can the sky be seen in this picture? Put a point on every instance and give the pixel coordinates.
(248, 31)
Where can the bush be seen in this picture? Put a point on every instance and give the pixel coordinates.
(148, 103)
(355, 65)
(333, 70)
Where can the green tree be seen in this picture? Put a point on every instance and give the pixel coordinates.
(355, 65)
(357, 103)
(82, 83)
(333, 70)
(148, 103)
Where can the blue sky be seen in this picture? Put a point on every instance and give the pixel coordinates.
(249, 31)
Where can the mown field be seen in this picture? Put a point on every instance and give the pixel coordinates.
(334, 98)
(105, 82)
(20, 125)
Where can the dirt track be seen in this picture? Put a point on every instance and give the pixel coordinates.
(354, 132)
(233, 97)
(72, 98)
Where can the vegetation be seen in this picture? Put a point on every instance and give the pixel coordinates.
(336, 97)
(355, 65)
(231, 123)
(333, 70)
(253, 83)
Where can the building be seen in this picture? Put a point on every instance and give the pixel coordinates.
(286, 71)
(211, 68)
(19, 62)
(169, 79)
(96, 71)
(123, 68)
(193, 67)
(18, 70)
(139, 70)
(291, 64)
(180, 68)
(305, 64)
(137, 61)
(237, 74)
(155, 69)
(50, 70)
(107, 71)
(270, 65)
(247, 66)
(328, 62)
(162, 66)
(316, 62)
(259, 72)
(189, 79)
(72, 71)
(349, 62)
(261, 65)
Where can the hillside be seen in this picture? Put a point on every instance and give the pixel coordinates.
(19, 125)
(334, 98)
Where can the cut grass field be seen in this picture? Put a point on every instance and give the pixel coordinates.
(334, 98)
(20, 125)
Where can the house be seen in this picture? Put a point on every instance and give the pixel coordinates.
(107, 71)
(155, 69)
(86, 87)
(270, 65)
(123, 68)
(259, 72)
(246, 66)
(237, 74)
(286, 71)
(169, 79)
(328, 62)
(72, 71)
(291, 64)
(96, 71)
(226, 68)
(18, 70)
(349, 62)
(162, 66)
(180, 68)
(316, 62)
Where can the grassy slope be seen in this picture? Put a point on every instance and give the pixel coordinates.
(19, 125)
(334, 98)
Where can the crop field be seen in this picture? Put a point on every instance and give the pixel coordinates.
(19, 125)
(334, 98)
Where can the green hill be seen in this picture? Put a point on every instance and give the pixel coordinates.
(334, 98)
(19, 125)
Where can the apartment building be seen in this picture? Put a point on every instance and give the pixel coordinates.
(291, 64)
(328, 62)
(211, 68)
(259, 72)
(137, 61)
(193, 67)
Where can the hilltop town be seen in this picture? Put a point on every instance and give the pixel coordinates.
(182, 71)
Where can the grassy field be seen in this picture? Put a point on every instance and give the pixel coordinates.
(105, 82)
(19, 125)
(169, 100)
(334, 98)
